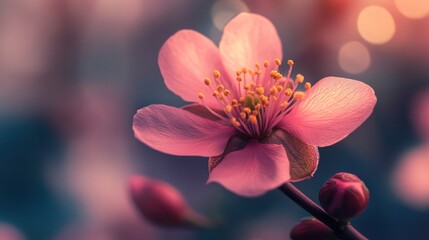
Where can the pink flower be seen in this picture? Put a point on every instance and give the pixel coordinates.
(257, 127)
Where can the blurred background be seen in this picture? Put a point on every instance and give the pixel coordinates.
(74, 72)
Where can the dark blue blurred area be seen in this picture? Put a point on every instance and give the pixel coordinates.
(73, 74)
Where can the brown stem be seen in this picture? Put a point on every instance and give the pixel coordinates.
(343, 230)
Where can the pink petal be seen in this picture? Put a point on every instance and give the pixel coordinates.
(330, 111)
(203, 112)
(185, 59)
(249, 38)
(179, 132)
(253, 170)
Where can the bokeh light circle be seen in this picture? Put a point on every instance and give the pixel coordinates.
(376, 25)
(354, 57)
(223, 10)
(413, 8)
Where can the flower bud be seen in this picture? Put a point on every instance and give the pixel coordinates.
(311, 228)
(344, 196)
(162, 204)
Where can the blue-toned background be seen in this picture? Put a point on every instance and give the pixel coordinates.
(74, 72)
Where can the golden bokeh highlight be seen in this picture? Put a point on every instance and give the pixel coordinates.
(376, 25)
(354, 57)
(414, 9)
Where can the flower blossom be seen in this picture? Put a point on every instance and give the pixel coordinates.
(258, 127)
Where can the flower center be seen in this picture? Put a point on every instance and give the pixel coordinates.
(258, 99)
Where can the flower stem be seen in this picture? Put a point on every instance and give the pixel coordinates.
(343, 229)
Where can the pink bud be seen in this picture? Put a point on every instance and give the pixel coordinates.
(344, 196)
(162, 204)
(311, 228)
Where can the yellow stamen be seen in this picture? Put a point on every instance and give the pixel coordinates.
(288, 91)
(215, 93)
(239, 79)
(234, 122)
(253, 119)
(278, 61)
(298, 95)
(244, 70)
(201, 95)
(243, 115)
(226, 92)
(300, 78)
(247, 87)
(279, 88)
(221, 96)
(220, 87)
(273, 91)
(290, 62)
(207, 81)
(266, 63)
(234, 102)
(260, 90)
(257, 65)
(228, 108)
(247, 110)
(238, 73)
(284, 104)
(273, 73)
(216, 73)
(307, 85)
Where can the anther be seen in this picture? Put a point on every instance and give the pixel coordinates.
(266, 63)
(226, 92)
(260, 90)
(307, 85)
(278, 61)
(244, 70)
(290, 62)
(273, 91)
(207, 81)
(253, 119)
(221, 96)
(234, 102)
(234, 122)
(220, 87)
(257, 65)
(243, 115)
(273, 73)
(247, 110)
(300, 78)
(201, 95)
(288, 91)
(228, 108)
(284, 104)
(298, 95)
(216, 73)
(215, 93)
